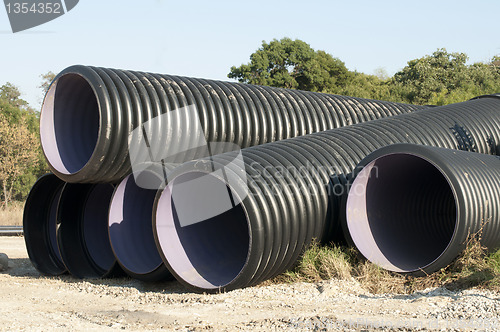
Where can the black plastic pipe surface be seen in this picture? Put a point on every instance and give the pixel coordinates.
(40, 225)
(413, 208)
(221, 224)
(89, 115)
(82, 236)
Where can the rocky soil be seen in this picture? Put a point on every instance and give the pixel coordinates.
(33, 302)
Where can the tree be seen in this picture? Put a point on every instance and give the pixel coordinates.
(381, 74)
(11, 94)
(443, 78)
(438, 79)
(432, 75)
(19, 114)
(293, 64)
(14, 108)
(495, 61)
(47, 78)
(16, 153)
(370, 86)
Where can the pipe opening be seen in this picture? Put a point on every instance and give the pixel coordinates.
(69, 123)
(40, 225)
(95, 228)
(401, 212)
(131, 225)
(52, 224)
(204, 238)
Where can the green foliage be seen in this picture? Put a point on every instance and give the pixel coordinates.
(495, 62)
(17, 153)
(322, 262)
(14, 108)
(47, 78)
(292, 64)
(443, 78)
(369, 86)
(437, 79)
(11, 95)
(494, 261)
(18, 114)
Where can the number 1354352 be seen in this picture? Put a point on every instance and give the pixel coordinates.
(34, 8)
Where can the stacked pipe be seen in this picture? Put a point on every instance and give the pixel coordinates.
(65, 228)
(89, 113)
(96, 123)
(412, 209)
(40, 224)
(221, 224)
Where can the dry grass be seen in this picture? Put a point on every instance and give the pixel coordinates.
(12, 215)
(473, 268)
(379, 281)
(319, 263)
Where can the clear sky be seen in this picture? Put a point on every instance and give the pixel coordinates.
(205, 38)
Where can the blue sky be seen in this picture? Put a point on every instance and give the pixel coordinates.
(205, 38)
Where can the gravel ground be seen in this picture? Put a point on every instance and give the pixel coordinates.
(32, 302)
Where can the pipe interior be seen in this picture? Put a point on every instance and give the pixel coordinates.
(95, 226)
(131, 225)
(401, 212)
(202, 234)
(69, 123)
(52, 224)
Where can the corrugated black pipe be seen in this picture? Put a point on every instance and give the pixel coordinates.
(130, 228)
(89, 113)
(40, 225)
(214, 236)
(82, 236)
(413, 208)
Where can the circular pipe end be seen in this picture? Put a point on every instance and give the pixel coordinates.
(40, 225)
(69, 123)
(202, 235)
(401, 212)
(82, 236)
(131, 228)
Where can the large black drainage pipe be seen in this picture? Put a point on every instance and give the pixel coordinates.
(40, 225)
(413, 208)
(130, 228)
(213, 236)
(82, 236)
(89, 114)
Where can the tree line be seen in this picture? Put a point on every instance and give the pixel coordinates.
(436, 79)
(21, 157)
